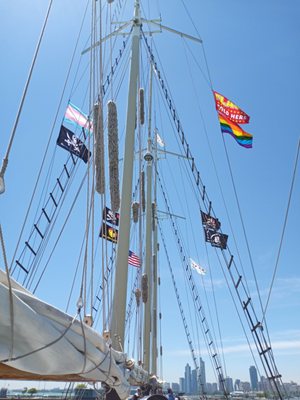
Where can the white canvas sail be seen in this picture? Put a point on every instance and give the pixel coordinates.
(45, 341)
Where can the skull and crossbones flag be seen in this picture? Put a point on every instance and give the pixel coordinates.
(68, 141)
(210, 222)
(111, 217)
(216, 239)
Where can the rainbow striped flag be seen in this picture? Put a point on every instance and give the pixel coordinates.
(76, 117)
(243, 138)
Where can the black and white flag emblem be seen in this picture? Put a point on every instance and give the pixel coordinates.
(68, 141)
(216, 239)
(111, 217)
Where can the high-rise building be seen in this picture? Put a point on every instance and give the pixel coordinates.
(214, 387)
(182, 385)
(253, 378)
(187, 379)
(237, 384)
(194, 382)
(202, 377)
(245, 386)
(175, 387)
(229, 384)
(264, 384)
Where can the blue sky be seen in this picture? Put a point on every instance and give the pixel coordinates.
(252, 51)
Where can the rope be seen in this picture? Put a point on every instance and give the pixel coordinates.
(198, 34)
(48, 144)
(14, 129)
(196, 297)
(262, 346)
(237, 310)
(283, 231)
(11, 302)
(61, 231)
(243, 225)
(43, 347)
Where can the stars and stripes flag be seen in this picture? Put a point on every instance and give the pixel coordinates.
(134, 259)
(197, 267)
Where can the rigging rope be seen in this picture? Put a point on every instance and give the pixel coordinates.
(48, 144)
(283, 231)
(245, 235)
(263, 347)
(200, 312)
(243, 224)
(14, 129)
(198, 34)
(188, 335)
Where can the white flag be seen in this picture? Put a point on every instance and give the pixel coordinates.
(197, 267)
(159, 140)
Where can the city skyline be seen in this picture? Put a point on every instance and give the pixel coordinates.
(254, 383)
(188, 383)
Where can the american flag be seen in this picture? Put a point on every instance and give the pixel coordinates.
(133, 259)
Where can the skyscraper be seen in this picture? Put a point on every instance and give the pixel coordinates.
(229, 384)
(194, 382)
(237, 384)
(202, 377)
(187, 378)
(253, 378)
(182, 384)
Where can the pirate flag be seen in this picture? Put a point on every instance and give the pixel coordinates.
(109, 233)
(210, 222)
(216, 239)
(111, 217)
(68, 141)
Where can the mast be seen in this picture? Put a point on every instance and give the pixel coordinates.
(155, 278)
(121, 273)
(148, 257)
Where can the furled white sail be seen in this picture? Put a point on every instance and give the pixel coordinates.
(40, 339)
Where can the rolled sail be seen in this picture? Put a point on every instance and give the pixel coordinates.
(46, 343)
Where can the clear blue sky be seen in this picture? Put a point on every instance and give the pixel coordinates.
(252, 51)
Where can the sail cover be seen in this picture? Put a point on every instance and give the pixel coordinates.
(46, 341)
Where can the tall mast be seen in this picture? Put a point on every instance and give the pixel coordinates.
(148, 256)
(155, 278)
(121, 273)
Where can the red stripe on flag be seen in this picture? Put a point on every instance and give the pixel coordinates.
(133, 259)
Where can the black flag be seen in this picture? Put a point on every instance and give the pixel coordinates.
(67, 140)
(216, 239)
(111, 217)
(210, 222)
(109, 233)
